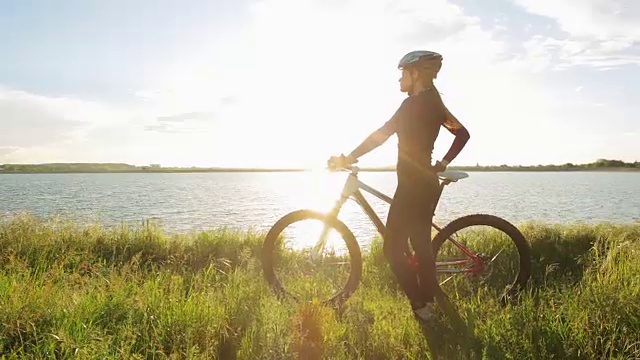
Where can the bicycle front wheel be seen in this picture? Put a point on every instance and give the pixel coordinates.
(487, 251)
(293, 266)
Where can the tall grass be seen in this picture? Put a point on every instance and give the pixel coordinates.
(89, 292)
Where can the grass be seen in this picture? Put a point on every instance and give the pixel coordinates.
(88, 292)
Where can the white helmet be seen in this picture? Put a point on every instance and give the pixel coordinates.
(423, 56)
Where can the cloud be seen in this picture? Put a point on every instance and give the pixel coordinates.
(595, 19)
(541, 53)
(173, 128)
(228, 100)
(195, 121)
(159, 127)
(346, 73)
(181, 108)
(360, 48)
(34, 127)
(362, 34)
(37, 128)
(184, 117)
(28, 120)
(600, 34)
(7, 150)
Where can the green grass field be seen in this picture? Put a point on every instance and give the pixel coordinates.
(88, 292)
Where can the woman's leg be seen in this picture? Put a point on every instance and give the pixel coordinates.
(421, 243)
(420, 235)
(395, 243)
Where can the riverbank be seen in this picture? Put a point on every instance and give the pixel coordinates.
(90, 292)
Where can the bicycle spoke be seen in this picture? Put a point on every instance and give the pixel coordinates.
(446, 280)
(493, 258)
(322, 240)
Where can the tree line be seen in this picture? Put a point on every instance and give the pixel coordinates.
(600, 164)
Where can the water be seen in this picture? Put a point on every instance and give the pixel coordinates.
(185, 202)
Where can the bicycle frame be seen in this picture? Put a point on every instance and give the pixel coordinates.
(352, 189)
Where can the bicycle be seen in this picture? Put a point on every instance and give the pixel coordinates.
(472, 263)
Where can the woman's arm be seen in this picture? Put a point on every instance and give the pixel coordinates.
(379, 136)
(372, 141)
(455, 127)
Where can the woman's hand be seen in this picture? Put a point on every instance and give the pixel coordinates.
(340, 162)
(440, 166)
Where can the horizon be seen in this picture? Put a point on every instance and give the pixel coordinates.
(161, 166)
(245, 84)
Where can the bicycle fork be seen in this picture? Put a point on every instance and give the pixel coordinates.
(322, 240)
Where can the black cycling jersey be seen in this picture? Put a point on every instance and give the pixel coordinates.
(417, 123)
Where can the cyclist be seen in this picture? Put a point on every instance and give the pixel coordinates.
(417, 123)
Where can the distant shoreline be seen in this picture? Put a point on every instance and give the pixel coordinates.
(122, 168)
(524, 169)
(233, 170)
(177, 171)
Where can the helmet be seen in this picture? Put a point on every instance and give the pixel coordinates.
(420, 56)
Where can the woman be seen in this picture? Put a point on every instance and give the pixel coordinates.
(417, 123)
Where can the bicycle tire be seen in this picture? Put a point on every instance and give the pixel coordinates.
(498, 223)
(270, 242)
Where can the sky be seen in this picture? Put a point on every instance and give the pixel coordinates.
(288, 83)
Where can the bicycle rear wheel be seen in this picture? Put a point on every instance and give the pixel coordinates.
(294, 272)
(503, 263)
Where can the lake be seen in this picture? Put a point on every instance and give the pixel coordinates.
(195, 201)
